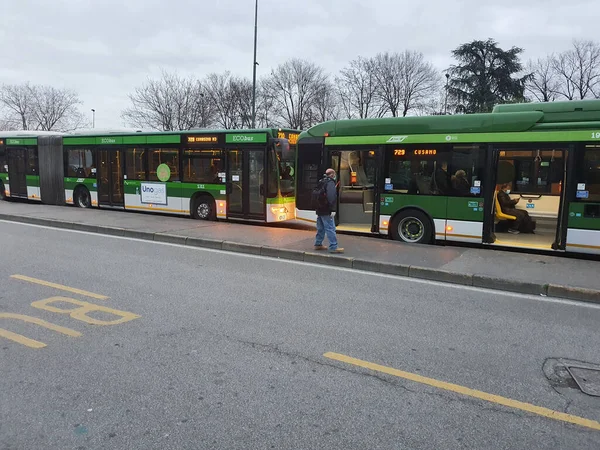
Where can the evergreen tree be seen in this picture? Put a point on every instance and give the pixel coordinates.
(485, 76)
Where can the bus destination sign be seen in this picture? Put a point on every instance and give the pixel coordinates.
(291, 137)
(202, 139)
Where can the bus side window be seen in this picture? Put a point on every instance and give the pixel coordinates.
(168, 156)
(588, 174)
(79, 163)
(418, 169)
(466, 170)
(309, 173)
(32, 161)
(2, 161)
(135, 163)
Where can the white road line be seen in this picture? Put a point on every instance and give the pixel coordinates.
(538, 298)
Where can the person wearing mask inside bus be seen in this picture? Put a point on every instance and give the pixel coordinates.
(523, 222)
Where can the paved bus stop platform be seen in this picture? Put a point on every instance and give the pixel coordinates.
(549, 275)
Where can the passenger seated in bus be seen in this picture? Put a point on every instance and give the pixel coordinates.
(286, 173)
(524, 223)
(440, 184)
(460, 184)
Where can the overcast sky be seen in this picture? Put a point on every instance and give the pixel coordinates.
(105, 48)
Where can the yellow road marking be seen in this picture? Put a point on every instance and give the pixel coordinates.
(31, 342)
(80, 313)
(60, 286)
(545, 412)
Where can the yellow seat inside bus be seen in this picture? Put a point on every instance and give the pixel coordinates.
(499, 214)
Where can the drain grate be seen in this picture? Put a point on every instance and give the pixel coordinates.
(587, 379)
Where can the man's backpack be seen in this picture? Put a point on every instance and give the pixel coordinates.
(319, 194)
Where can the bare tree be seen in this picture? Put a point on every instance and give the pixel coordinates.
(579, 70)
(326, 105)
(18, 103)
(242, 93)
(359, 91)
(33, 107)
(294, 87)
(5, 125)
(420, 81)
(266, 116)
(170, 103)
(544, 83)
(388, 72)
(56, 109)
(222, 93)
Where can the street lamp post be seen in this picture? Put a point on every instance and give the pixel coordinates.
(254, 66)
(93, 118)
(446, 101)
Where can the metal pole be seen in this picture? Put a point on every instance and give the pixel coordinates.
(254, 67)
(446, 101)
(93, 118)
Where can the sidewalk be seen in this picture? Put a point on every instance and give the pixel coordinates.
(550, 275)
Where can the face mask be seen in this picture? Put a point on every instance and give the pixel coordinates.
(507, 191)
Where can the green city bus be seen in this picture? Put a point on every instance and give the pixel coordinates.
(435, 178)
(19, 177)
(208, 174)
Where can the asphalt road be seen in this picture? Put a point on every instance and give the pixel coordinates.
(217, 350)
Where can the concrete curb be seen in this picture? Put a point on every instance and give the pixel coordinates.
(424, 273)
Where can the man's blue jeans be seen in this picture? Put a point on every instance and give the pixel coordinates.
(325, 224)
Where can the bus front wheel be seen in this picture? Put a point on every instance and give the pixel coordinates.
(82, 198)
(2, 193)
(412, 226)
(204, 208)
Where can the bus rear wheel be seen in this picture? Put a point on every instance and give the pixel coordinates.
(82, 198)
(412, 226)
(204, 208)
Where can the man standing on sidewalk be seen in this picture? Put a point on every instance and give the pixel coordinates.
(324, 208)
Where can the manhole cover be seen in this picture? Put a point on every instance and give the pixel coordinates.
(587, 379)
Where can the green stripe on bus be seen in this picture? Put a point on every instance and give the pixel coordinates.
(437, 206)
(79, 141)
(246, 138)
(546, 136)
(71, 183)
(164, 139)
(33, 180)
(578, 221)
(22, 141)
(178, 190)
(280, 200)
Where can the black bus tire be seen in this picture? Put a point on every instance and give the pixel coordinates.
(82, 197)
(412, 226)
(204, 208)
(2, 192)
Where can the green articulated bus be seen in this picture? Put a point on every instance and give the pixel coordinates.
(421, 179)
(238, 174)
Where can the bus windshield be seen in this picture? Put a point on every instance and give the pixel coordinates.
(286, 156)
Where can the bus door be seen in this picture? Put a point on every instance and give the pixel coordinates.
(358, 176)
(246, 183)
(17, 171)
(537, 178)
(110, 178)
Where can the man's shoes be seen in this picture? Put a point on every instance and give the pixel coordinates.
(337, 250)
(320, 247)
